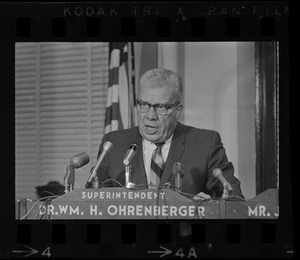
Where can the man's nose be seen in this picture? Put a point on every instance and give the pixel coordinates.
(151, 113)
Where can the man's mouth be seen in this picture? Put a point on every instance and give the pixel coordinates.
(151, 129)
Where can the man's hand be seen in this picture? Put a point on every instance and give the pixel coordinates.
(202, 196)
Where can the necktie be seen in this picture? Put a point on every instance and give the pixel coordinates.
(157, 165)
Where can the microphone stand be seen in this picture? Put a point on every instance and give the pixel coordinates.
(96, 182)
(178, 184)
(69, 178)
(128, 183)
(227, 190)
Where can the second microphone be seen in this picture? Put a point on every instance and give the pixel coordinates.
(130, 153)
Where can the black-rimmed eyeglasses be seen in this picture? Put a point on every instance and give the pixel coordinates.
(161, 109)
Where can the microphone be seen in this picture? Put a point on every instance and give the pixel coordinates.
(106, 147)
(79, 160)
(178, 172)
(217, 173)
(76, 161)
(130, 153)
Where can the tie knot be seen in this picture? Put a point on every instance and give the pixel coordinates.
(159, 145)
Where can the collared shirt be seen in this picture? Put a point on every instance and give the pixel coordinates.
(148, 148)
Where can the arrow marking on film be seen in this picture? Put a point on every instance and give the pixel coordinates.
(31, 252)
(165, 252)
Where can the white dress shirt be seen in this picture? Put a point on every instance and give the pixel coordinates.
(148, 148)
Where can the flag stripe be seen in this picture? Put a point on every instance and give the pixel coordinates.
(113, 76)
(112, 95)
(115, 59)
(123, 96)
(133, 75)
(112, 113)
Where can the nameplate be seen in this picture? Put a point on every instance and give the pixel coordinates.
(121, 203)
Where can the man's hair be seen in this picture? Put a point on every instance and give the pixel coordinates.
(160, 77)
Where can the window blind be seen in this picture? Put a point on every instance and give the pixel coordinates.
(60, 104)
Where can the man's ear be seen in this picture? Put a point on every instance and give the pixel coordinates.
(178, 111)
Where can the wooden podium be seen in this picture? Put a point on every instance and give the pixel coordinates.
(122, 203)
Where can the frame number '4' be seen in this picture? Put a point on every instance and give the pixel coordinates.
(46, 252)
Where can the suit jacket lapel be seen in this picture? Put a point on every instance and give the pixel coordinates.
(138, 168)
(176, 150)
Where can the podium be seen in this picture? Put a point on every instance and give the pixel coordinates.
(122, 203)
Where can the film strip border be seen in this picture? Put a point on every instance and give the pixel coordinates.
(129, 27)
(128, 239)
(260, 21)
(147, 21)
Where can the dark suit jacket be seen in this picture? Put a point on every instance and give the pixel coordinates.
(199, 150)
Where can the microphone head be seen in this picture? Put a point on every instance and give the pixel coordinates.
(178, 168)
(134, 146)
(216, 172)
(107, 146)
(79, 160)
(130, 153)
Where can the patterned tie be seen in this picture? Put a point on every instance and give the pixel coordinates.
(157, 165)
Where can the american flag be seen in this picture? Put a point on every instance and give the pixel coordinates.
(121, 98)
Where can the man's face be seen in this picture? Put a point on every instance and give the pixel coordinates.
(153, 126)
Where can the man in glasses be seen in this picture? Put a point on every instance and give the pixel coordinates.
(163, 141)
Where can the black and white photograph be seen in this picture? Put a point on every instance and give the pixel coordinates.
(147, 130)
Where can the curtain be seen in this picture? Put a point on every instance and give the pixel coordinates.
(60, 102)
